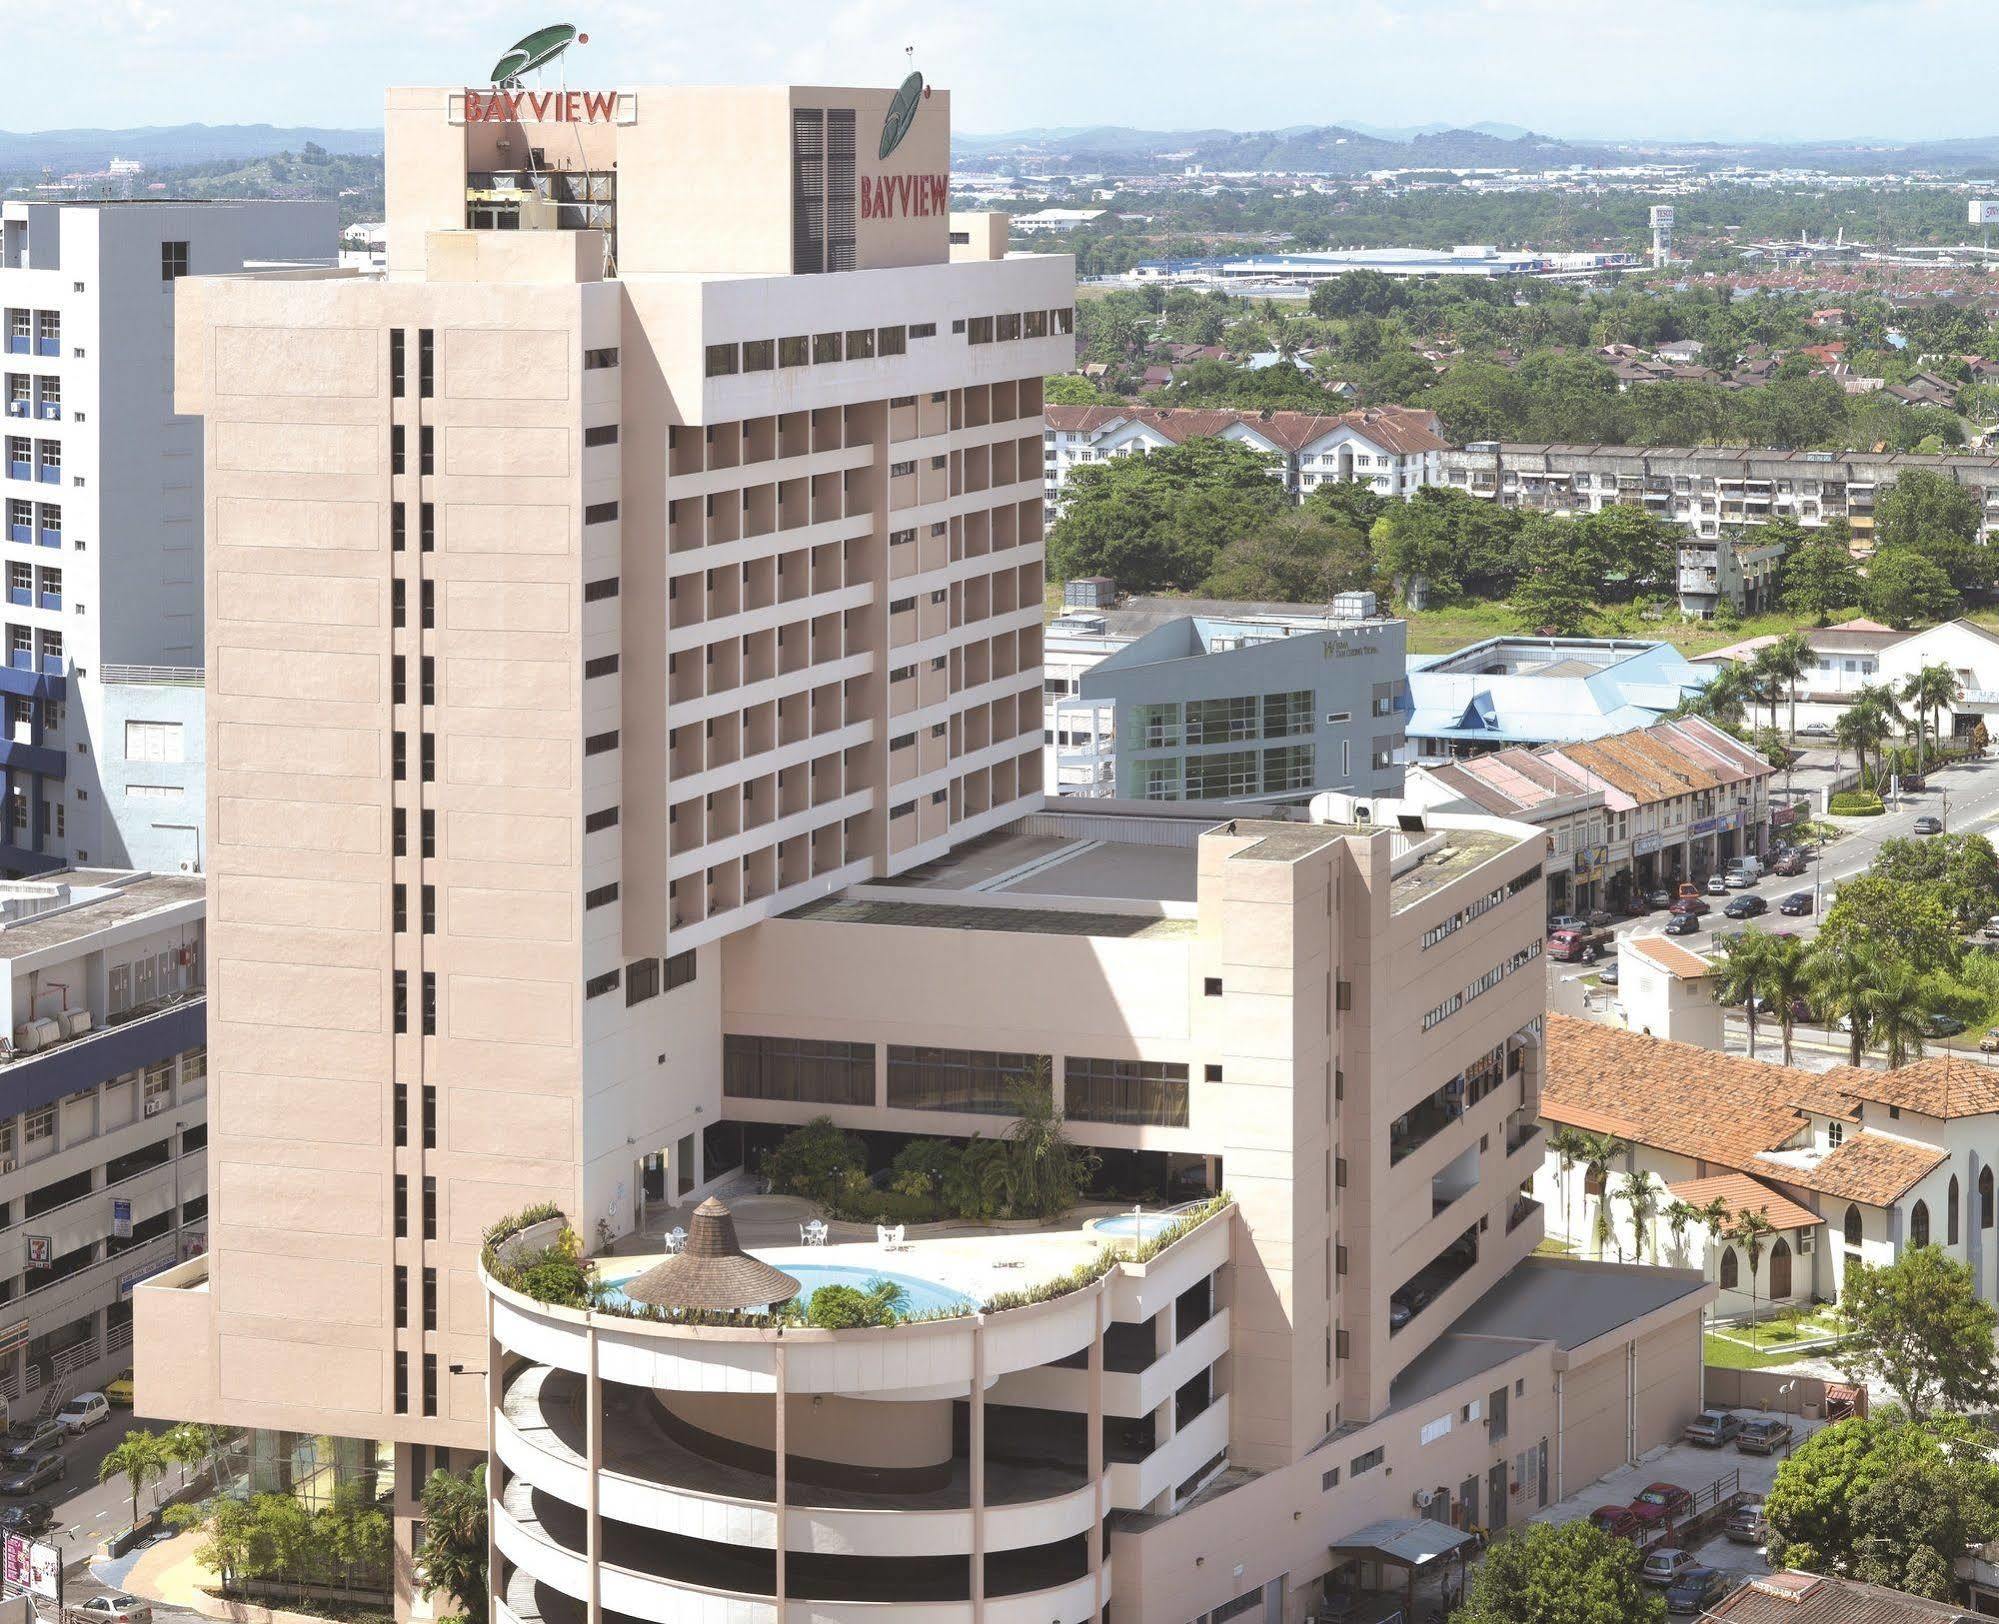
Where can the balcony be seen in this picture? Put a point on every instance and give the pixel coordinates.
(18, 468)
(22, 756)
(48, 536)
(21, 595)
(21, 532)
(134, 1040)
(19, 344)
(1431, 1281)
(50, 473)
(19, 408)
(1523, 1209)
(19, 678)
(50, 600)
(51, 347)
(1416, 1127)
(48, 410)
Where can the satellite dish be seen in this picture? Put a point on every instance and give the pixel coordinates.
(902, 113)
(539, 49)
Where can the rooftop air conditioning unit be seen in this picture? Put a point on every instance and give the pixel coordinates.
(1425, 1498)
(31, 1036)
(153, 1107)
(75, 1022)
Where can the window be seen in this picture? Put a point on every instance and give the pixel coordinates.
(921, 1078)
(979, 330)
(429, 831)
(395, 448)
(602, 434)
(1362, 1464)
(39, 1125)
(430, 1299)
(402, 1206)
(426, 362)
(1141, 1093)
(429, 1208)
(825, 347)
(597, 986)
(1286, 714)
(794, 352)
(1730, 1269)
(430, 1116)
(401, 1114)
(402, 988)
(1222, 721)
(605, 665)
(402, 1372)
(398, 529)
(799, 1070)
(1950, 1213)
(173, 261)
(1835, 1134)
(400, 910)
(602, 897)
(599, 360)
(426, 449)
(891, 341)
(641, 981)
(427, 540)
(598, 591)
(759, 354)
(402, 1292)
(396, 369)
(598, 821)
(598, 743)
(923, 329)
(680, 970)
(1919, 1224)
(722, 360)
(1007, 326)
(430, 1003)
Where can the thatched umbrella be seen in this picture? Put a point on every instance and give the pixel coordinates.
(712, 1271)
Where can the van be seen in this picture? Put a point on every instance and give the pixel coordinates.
(1751, 866)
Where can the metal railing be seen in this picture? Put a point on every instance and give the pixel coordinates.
(186, 676)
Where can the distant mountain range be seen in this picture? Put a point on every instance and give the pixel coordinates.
(1352, 149)
(167, 145)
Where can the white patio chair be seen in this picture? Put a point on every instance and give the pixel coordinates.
(676, 1239)
(815, 1232)
(885, 1237)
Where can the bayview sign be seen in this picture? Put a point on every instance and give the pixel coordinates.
(892, 197)
(540, 106)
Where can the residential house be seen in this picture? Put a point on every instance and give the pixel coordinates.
(1524, 787)
(1667, 990)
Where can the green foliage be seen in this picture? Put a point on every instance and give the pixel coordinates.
(345, 1544)
(1905, 588)
(1885, 1500)
(452, 1558)
(1571, 1573)
(1556, 594)
(140, 1458)
(1918, 1328)
(1073, 389)
(819, 1162)
(1914, 923)
(1305, 556)
(1818, 576)
(1960, 871)
(847, 1308)
(1855, 803)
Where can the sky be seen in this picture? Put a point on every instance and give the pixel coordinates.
(1681, 69)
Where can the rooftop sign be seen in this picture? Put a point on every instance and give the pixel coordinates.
(902, 112)
(539, 49)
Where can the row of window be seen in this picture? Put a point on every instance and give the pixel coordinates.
(1485, 983)
(1227, 775)
(1485, 904)
(871, 343)
(1223, 721)
(642, 978)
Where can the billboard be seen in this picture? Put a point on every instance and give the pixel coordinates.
(28, 1565)
(1985, 214)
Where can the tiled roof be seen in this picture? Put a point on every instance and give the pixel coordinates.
(1661, 762)
(1809, 1598)
(1404, 430)
(1668, 956)
(1739, 1192)
(1869, 1167)
(1673, 1096)
(1943, 1085)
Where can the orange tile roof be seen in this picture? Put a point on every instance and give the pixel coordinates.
(1869, 1167)
(1669, 956)
(1942, 1085)
(1741, 1192)
(1674, 1096)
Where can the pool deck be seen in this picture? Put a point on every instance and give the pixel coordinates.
(972, 1260)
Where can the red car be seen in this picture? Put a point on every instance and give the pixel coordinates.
(1661, 1505)
(1691, 905)
(1619, 1522)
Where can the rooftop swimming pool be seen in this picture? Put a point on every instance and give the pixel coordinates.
(1142, 1225)
(925, 1296)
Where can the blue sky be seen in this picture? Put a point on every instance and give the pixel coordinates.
(1732, 69)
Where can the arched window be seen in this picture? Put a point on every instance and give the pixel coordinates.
(1729, 1268)
(1985, 1198)
(1780, 1269)
(1852, 1226)
(1950, 1214)
(1919, 1224)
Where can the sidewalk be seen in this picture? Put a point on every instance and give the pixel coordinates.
(166, 1571)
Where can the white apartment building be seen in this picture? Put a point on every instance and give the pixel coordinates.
(100, 494)
(1393, 450)
(103, 1117)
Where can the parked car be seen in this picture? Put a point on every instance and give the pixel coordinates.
(1567, 922)
(1801, 1010)
(37, 1473)
(27, 1439)
(1940, 1025)
(1789, 864)
(1763, 1437)
(119, 1389)
(1661, 1504)
(1608, 974)
(1584, 946)
(1815, 730)
(1659, 899)
(1692, 905)
(117, 1610)
(1682, 924)
(1717, 885)
(1738, 879)
(1696, 1590)
(1665, 1565)
(1746, 907)
(1928, 825)
(1797, 903)
(1712, 1428)
(1747, 1525)
(1619, 1522)
(83, 1412)
(31, 1517)
(1991, 930)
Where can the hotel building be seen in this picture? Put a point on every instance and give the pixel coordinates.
(623, 745)
(100, 493)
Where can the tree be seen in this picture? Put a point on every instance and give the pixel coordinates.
(1568, 1573)
(1723, 697)
(452, 1558)
(1568, 1146)
(1784, 982)
(1960, 871)
(1924, 506)
(1299, 556)
(1906, 589)
(1044, 1170)
(1641, 1195)
(1557, 591)
(1601, 1151)
(1778, 666)
(1840, 971)
(1680, 1216)
(1753, 1228)
(818, 1161)
(139, 1459)
(1073, 389)
(1930, 689)
(846, 1308)
(1819, 576)
(1912, 923)
(1919, 1328)
(1829, 1511)
(1739, 977)
(1895, 1015)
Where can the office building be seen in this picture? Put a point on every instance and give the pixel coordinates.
(103, 499)
(103, 1117)
(1186, 699)
(1503, 691)
(1709, 488)
(518, 900)
(1393, 450)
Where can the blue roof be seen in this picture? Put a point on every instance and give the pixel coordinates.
(1536, 706)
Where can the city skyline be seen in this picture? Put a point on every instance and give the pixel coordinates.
(123, 63)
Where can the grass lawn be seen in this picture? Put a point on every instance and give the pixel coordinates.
(1436, 631)
(1784, 1331)
(1734, 1356)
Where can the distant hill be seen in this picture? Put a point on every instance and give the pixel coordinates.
(165, 145)
(1331, 149)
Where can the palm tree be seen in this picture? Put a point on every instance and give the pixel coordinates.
(140, 1458)
(1782, 982)
(1602, 1150)
(1043, 1168)
(452, 1559)
(1930, 690)
(1641, 1195)
(1680, 1216)
(1570, 1146)
(1840, 975)
(1724, 697)
(1780, 665)
(1739, 979)
(1894, 1007)
(1856, 730)
(1751, 1228)
(1877, 702)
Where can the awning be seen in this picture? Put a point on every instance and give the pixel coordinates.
(1404, 1542)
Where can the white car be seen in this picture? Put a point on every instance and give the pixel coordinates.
(84, 1411)
(116, 1610)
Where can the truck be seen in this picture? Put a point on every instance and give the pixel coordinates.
(1579, 945)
